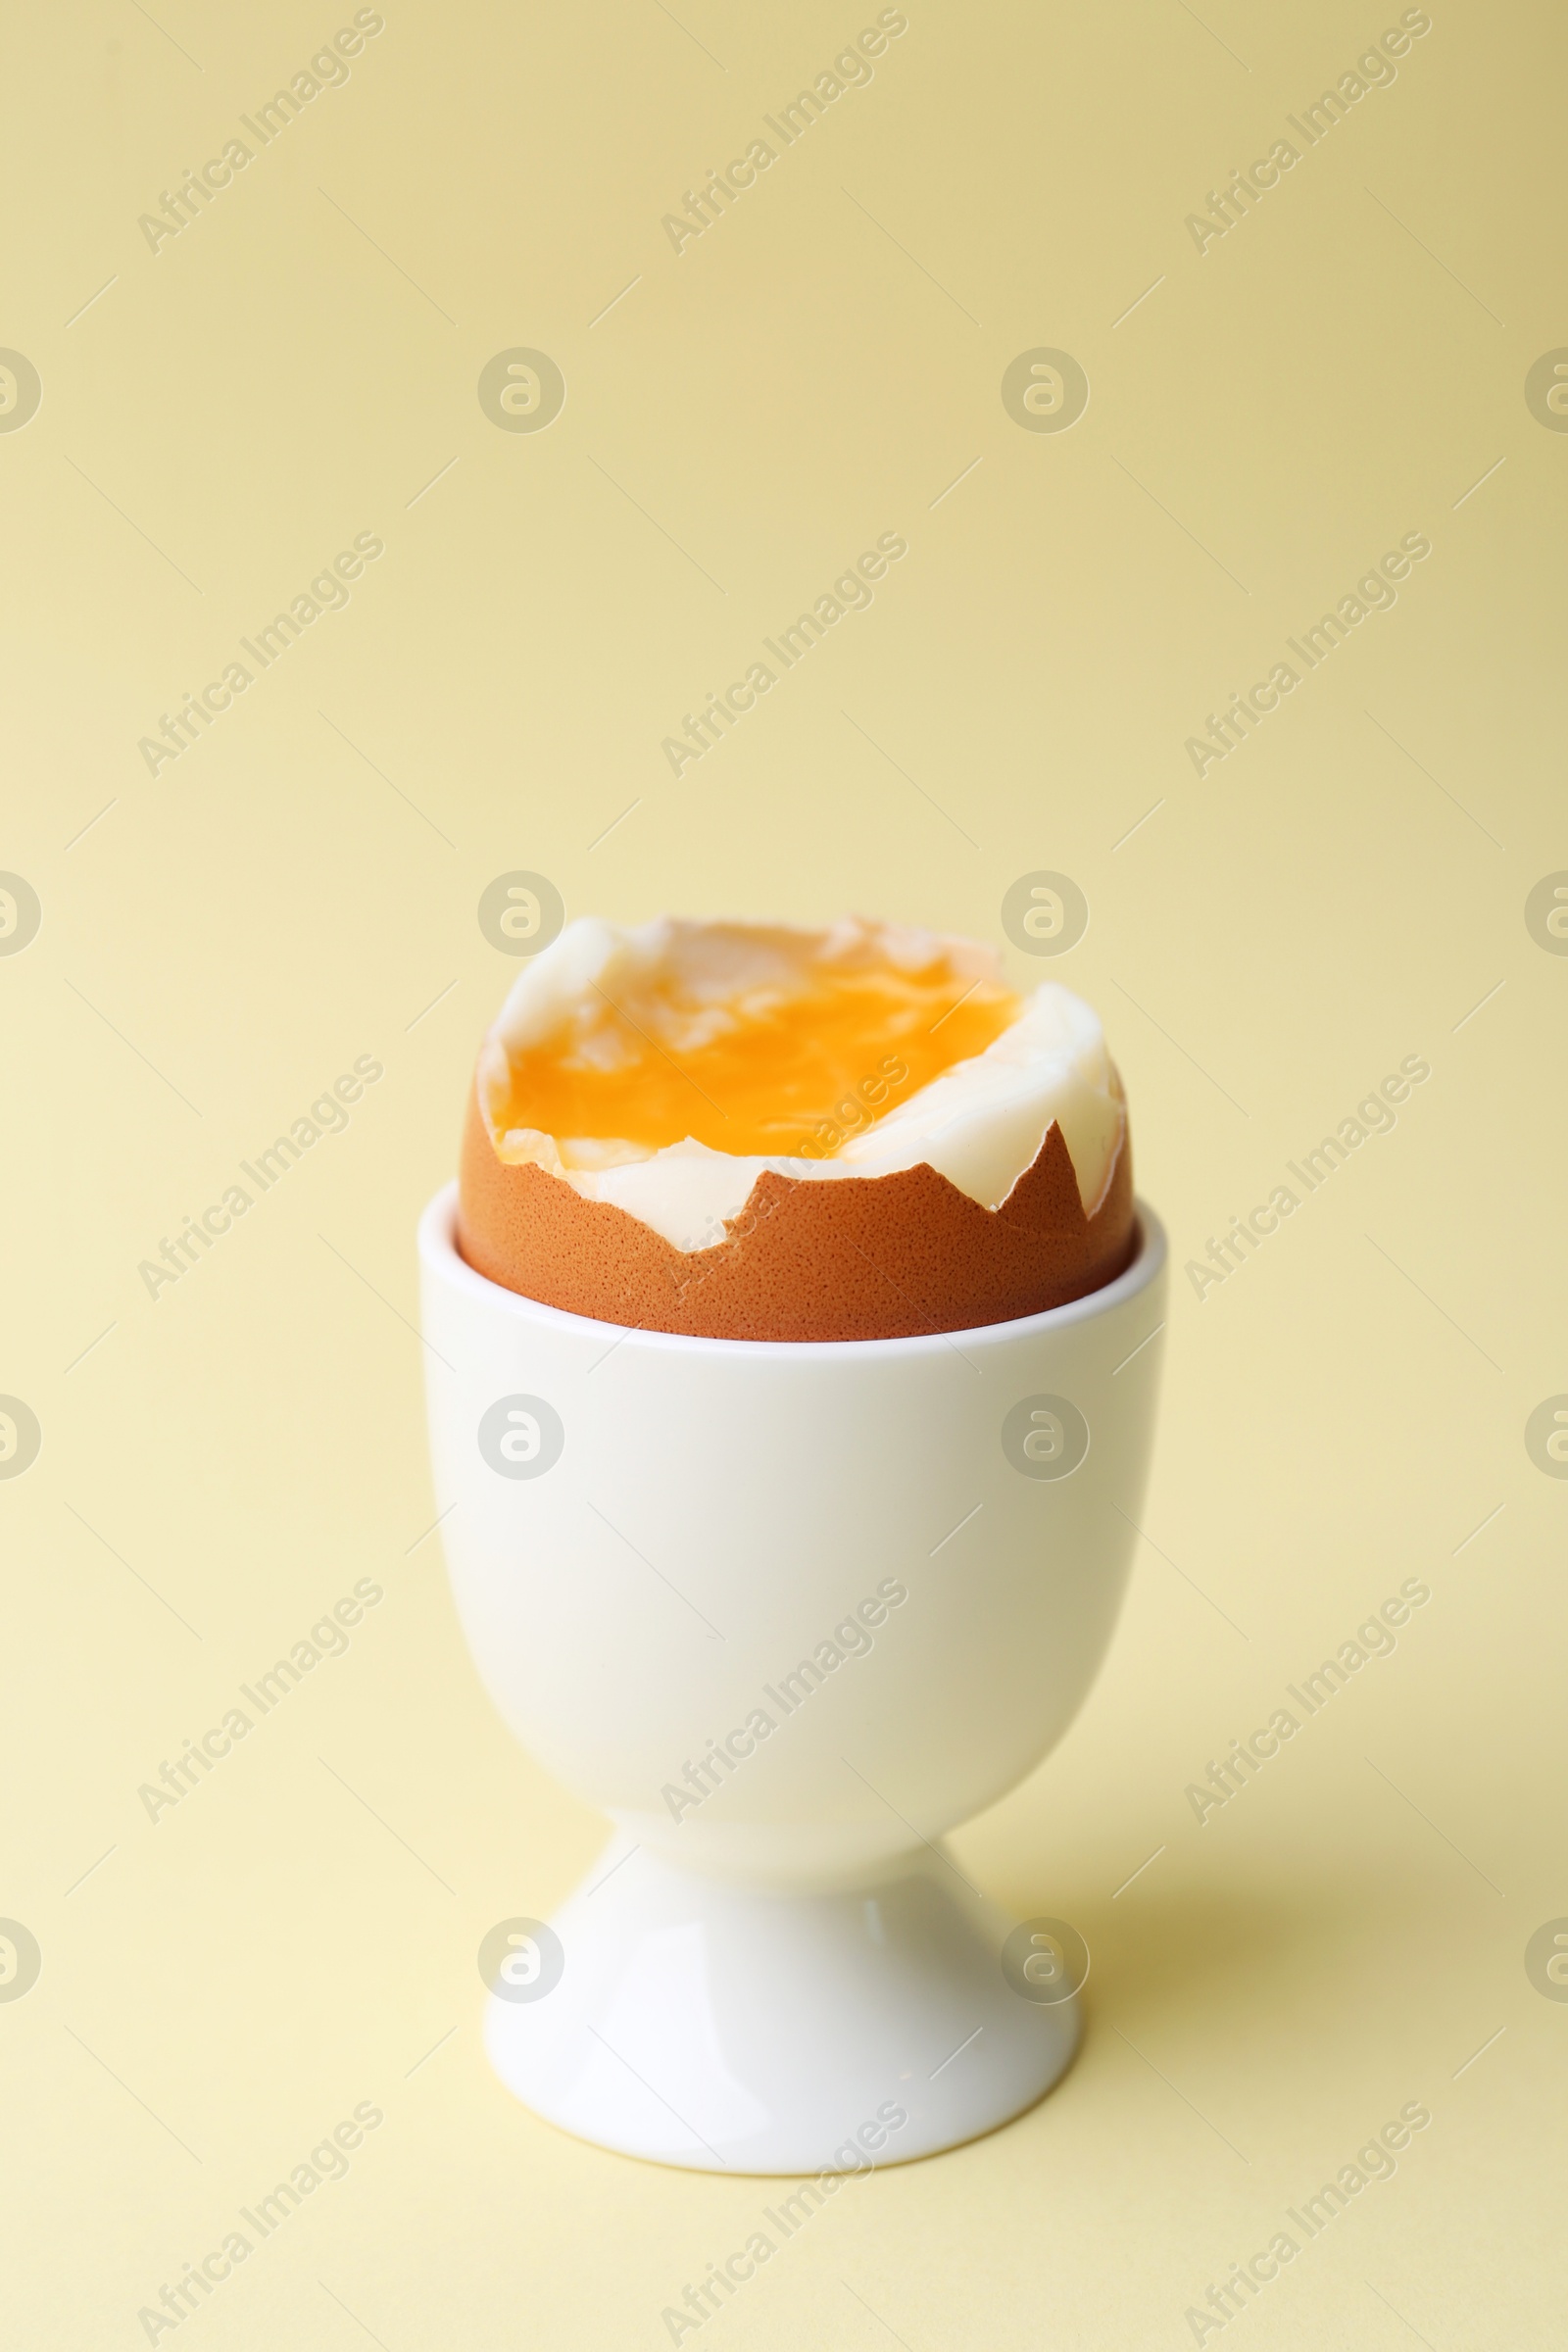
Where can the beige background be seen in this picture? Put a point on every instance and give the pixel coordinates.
(219, 1465)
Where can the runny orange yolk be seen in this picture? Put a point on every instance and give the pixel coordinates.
(775, 1073)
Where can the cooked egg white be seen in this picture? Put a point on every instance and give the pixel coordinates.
(663, 1068)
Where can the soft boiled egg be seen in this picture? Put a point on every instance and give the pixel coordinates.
(757, 1132)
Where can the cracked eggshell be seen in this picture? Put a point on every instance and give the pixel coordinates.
(871, 1257)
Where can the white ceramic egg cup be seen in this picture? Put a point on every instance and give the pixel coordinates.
(656, 1542)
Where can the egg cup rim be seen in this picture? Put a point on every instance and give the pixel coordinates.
(439, 1252)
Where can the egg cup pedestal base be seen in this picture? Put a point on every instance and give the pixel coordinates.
(732, 2027)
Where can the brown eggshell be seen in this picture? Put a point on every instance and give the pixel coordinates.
(854, 1257)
